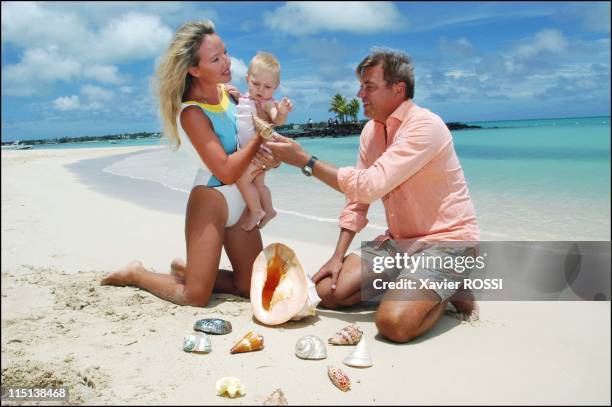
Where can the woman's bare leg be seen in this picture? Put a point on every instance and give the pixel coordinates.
(251, 198)
(242, 247)
(266, 199)
(205, 233)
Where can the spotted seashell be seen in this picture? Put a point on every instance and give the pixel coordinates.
(277, 398)
(349, 335)
(339, 378)
(213, 326)
(310, 347)
(197, 342)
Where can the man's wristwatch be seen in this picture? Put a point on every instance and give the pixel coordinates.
(307, 169)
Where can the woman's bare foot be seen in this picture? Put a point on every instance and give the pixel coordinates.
(252, 220)
(124, 276)
(269, 216)
(178, 267)
(466, 307)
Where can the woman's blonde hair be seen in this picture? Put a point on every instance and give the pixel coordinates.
(173, 78)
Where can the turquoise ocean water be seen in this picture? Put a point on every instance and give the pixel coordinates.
(543, 179)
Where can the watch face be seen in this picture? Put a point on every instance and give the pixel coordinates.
(307, 171)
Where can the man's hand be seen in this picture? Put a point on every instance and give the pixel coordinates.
(288, 151)
(331, 268)
(284, 107)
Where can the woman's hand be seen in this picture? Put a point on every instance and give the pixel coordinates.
(331, 268)
(264, 160)
(233, 91)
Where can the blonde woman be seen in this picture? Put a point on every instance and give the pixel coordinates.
(199, 116)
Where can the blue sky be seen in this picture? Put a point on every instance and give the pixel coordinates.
(85, 68)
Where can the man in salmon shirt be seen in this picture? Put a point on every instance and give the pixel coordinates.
(407, 159)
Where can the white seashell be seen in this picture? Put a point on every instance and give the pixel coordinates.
(277, 398)
(197, 342)
(231, 386)
(359, 357)
(310, 347)
(311, 303)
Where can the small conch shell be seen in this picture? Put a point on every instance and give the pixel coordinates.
(249, 342)
(213, 326)
(339, 378)
(264, 128)
(359, 357)
(310, 347)
(349, 335)
(231, 386)
(197, 342)
(277, 398)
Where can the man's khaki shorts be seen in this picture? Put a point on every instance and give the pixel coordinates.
(432, 272)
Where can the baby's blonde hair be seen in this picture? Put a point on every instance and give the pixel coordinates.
(264, 61)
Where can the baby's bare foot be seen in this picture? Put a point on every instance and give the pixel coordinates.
(269, 216)
(123, 276)
(252, 221)
(178, 267)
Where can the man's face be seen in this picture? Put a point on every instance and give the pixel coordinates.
(379, 100)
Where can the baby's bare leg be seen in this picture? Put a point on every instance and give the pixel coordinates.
(251, 197)
(266, 199)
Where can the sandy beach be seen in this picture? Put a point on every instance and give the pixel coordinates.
(114, 345)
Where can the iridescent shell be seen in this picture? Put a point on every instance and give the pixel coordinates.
(213, 326)
(310, 347)
(250, 342)
(349, 335)
(359, 357)
(277, 398)
(264, 128)
(230, 386)
(339, 378)
(197, 342)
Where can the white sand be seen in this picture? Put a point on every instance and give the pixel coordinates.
(124, 346)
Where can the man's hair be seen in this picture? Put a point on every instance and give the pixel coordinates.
(397, 67)
(264, 61)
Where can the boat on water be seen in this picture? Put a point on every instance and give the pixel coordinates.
(17, 146)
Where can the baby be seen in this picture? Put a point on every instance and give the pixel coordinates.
(263, 77)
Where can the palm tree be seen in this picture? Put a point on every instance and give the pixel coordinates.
(338, 105)
(353, 108)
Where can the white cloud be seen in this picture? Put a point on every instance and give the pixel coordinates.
(59, 43)
(96, 93)
(547, 40)
(103, 73)
(128, 38)
(64, 103)
(239, 70)
(91, 98)
(303, 18)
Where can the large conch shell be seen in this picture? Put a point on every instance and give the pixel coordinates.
(280, 289)
(349, 335)
(250, 342)
(264, 128)
(277, 398)
(310, 347)
(359, 357)
(230, 386)
(339, 378)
